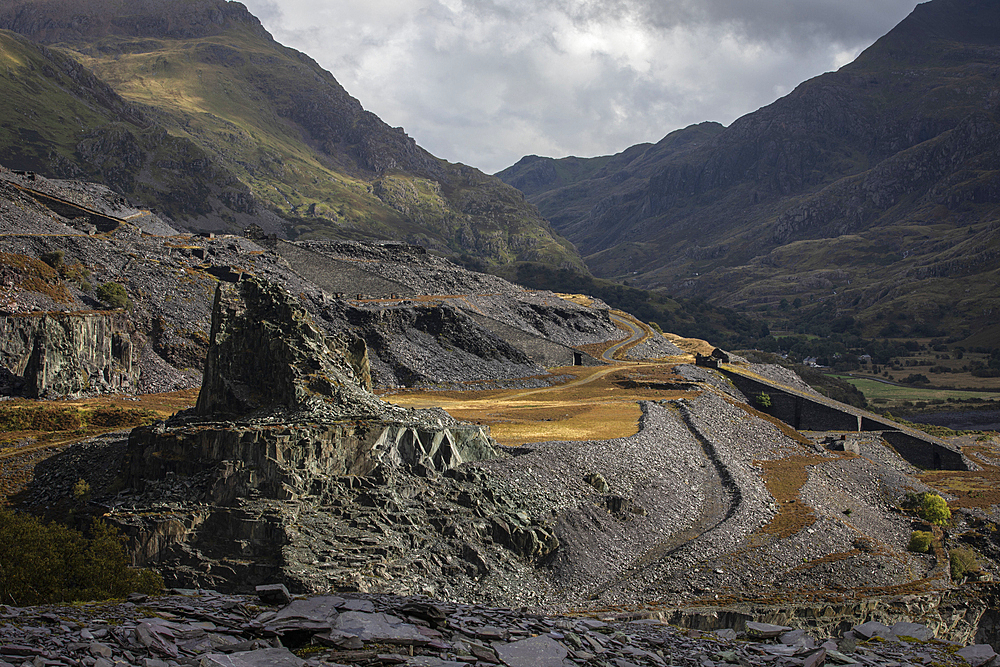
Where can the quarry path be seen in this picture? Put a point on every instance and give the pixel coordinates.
(719, 498)
(635, 336)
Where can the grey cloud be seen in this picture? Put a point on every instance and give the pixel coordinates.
(487, 81)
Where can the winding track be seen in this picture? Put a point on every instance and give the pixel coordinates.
(637, 334)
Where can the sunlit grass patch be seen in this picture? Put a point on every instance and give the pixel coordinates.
(600, 403)
(784, 479)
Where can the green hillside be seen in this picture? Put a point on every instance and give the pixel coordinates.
(198, 89)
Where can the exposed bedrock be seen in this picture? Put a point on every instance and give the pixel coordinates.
(66, 355)
(284, 415)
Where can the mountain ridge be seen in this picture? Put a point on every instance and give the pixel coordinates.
(895, 146)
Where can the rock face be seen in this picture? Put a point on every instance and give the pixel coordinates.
(266, 355)
(283, 417)
(67, 355)
(427, 333)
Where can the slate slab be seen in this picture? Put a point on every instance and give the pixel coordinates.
(379, 628)
(541, 651)
(358, 605)
(915, 630)
(814, 658)
(315, 614)
(797, 637)
(765, 630)
(268, 657)
(427, 661)
(275, 594)
(157, 635)
(977, 654)
(872, 629)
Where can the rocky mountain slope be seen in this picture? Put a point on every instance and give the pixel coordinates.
(193, 109)
(424, 319)
(871, 189)
(289, 470)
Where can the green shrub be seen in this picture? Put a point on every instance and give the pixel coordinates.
(114, 295)
(933, 508)
(763, 400)
(929, 507)
(81, 491)
(50, 563)
(920, 541)
(963, 562)
(54, 258)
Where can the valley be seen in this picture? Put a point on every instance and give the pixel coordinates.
(280, 349)
(642, 481)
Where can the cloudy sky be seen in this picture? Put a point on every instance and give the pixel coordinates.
(486, 82)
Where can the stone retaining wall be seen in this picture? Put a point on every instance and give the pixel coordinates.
(819, 413)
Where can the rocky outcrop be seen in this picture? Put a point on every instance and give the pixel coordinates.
(67, 354)
(283, 422)
(282, 407)
(266, 355)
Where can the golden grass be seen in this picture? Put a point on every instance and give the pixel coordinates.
(690, 345)
(600, 403)
(580, 299)
(784, 478)
(21, 450)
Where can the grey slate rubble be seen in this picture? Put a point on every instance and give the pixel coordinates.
(209, 629)
(428, 337)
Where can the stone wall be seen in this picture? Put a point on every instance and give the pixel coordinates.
(818, 413)
(57, 355)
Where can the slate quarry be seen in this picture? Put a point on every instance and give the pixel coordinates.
(209, 629)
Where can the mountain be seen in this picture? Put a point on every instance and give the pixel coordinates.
(871, 192)
(192, 108)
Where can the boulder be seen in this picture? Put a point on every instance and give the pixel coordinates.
(765, 630)
(872, 629)
(977, 654)
(275, 594)
(914, 630)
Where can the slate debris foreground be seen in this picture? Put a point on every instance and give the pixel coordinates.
(209, 629)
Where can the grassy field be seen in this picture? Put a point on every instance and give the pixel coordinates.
(599, 403)
(31, 431)
(885, 395)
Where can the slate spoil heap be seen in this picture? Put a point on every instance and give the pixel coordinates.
(208, 629)
(284, 422)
